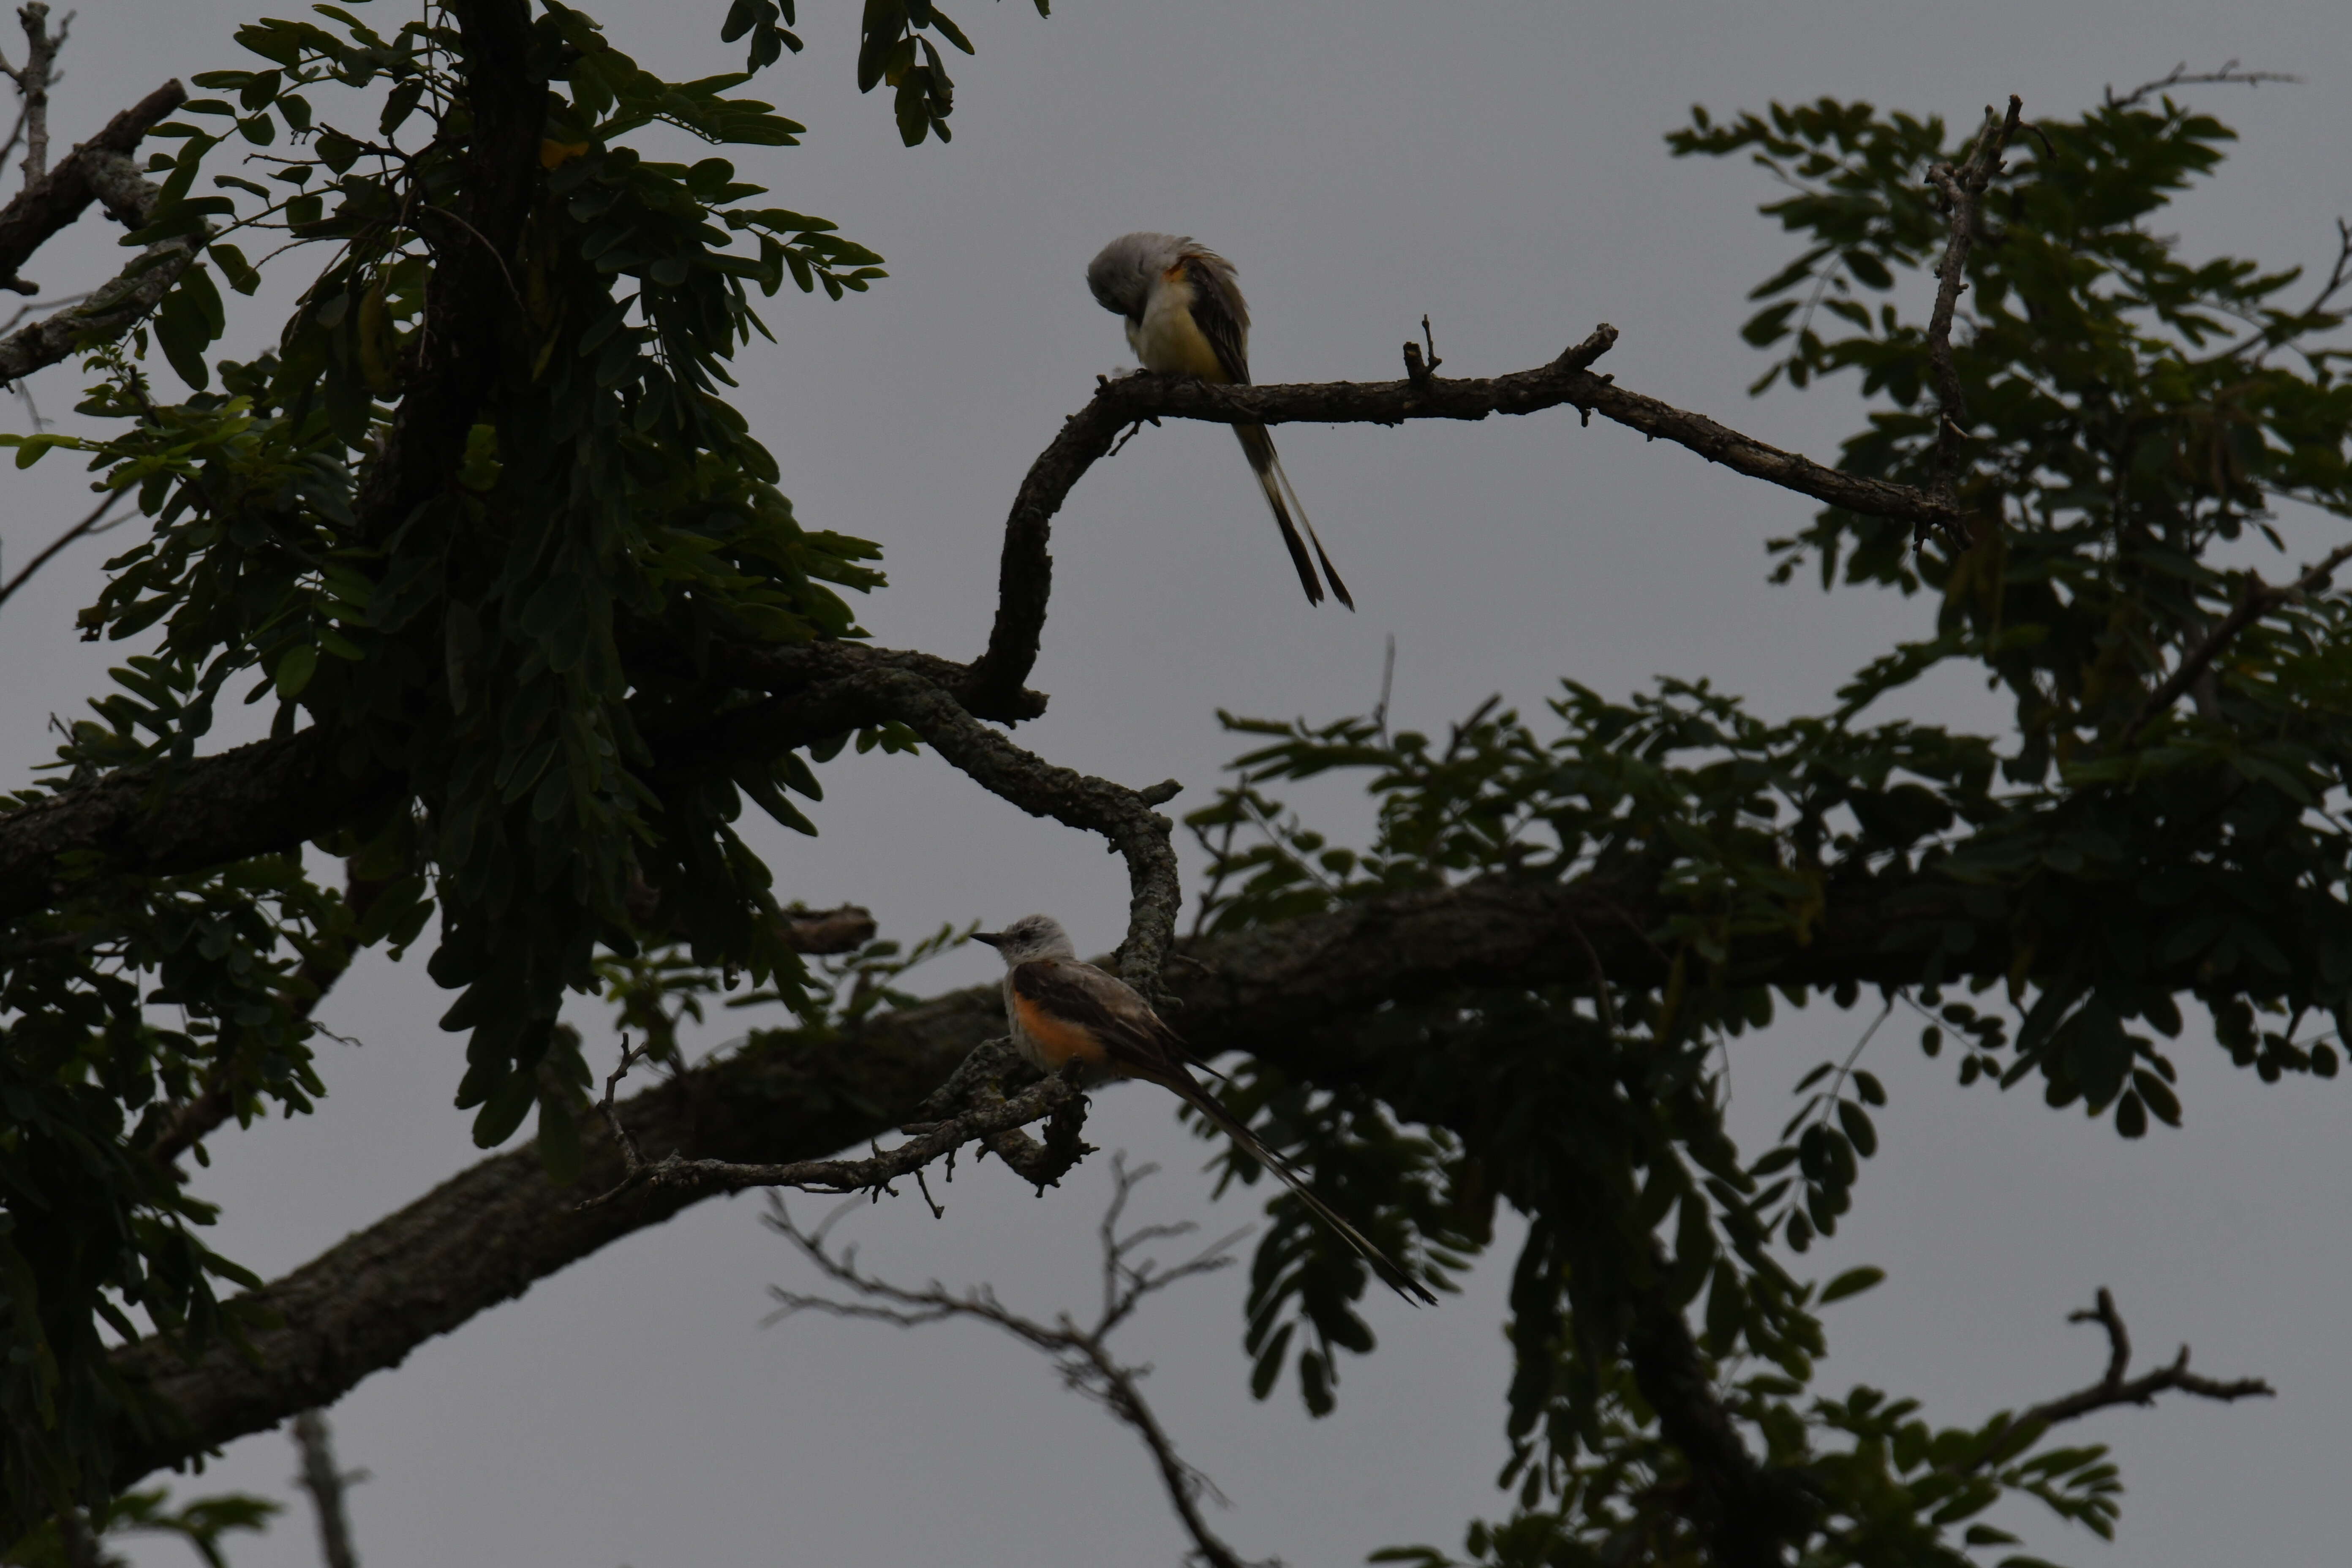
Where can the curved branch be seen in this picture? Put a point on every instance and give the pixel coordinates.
(1024, 576)
(1039, 788)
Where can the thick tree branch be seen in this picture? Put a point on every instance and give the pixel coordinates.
(2260, 598)
(257, 799)
(1025, 574)
(50, 203)
(276, 795)
(119, 303)
(1291, 994)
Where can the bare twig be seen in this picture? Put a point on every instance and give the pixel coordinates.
(1025, 572)
(874, 1174)
(2260, 599)
(1080, 1354)
(1963, 190)
(326, 1485)
(1418, 370)
(2181, 76)
(2116, 1388)
(88, 525)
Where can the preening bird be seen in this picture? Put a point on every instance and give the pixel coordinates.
(1185, 316)
(1062, 1010)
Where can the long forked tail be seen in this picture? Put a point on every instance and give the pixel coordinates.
(1258, 447)
(1395, 1278)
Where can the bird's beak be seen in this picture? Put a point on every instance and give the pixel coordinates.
(993, 938)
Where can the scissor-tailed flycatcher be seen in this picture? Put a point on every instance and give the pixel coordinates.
(1185, 316)
(1062, 1011)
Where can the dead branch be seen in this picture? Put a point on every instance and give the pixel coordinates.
(2258, 600)
(1963, 190)
(2116, 1388)
(1081, 1355)
(2181, 76)
(1026, 571)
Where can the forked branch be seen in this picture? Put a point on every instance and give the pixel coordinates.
(2116, 1388)
(1081, 1355)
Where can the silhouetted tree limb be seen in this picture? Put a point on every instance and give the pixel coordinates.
(1294, 993)
(2116, 1388)
(1024, 576)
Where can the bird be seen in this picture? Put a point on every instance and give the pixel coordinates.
(1064, 1011)
(1185, 316)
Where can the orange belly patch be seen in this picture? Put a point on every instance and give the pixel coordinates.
(1057, 1039)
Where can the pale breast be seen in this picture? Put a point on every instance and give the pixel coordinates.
(1168, 340)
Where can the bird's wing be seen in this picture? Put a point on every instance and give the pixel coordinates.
(1219, 311)
(1105, 1007)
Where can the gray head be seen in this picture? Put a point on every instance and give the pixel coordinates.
(1122, 276)
(1031, 936)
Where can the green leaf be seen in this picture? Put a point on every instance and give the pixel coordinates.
(295, 669)
(1852, 1282)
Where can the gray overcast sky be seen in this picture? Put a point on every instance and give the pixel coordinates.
(1495, 165)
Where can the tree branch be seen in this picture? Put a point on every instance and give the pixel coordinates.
(1963, 192)
(941, 1139)
(89, 524)
(50, 203)
(2260, 600)
(1082, 1355)
(1745, 1511)
(1292, 994)
(1038, 787)
(2114, 1388)
(326, 1483)
(123, 300)
(467, 336)
(2181, 76)
(33, 79)
(1026, 571)
(276, 795)
(257, 799)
